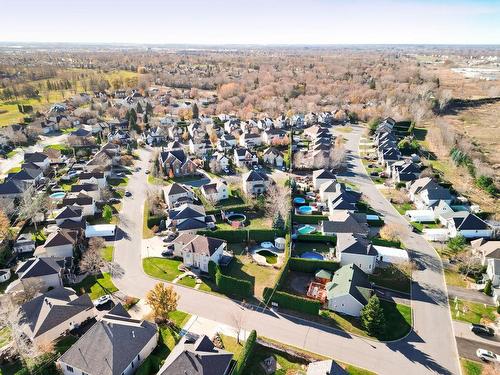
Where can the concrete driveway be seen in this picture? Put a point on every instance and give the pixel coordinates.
(430, 349)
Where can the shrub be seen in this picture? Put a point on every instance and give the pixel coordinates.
(308, 219)
(232, 236)
(311, 265)
(292, 302)
(246, 353)
(233, 286)
(488, 290)
(372, 317)
(212, 269)
(317, 238)
(264, 234)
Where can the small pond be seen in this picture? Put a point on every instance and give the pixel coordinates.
(271, 258)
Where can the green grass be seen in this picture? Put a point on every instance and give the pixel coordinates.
(157, 181)
(392, 278)
(287, 363)
(64, 343)
(353, 370)
(397, 317)
(169, 336)
(96, 286)
(4, 336)
(60, 147)
(11, 154)
(271, 258)
(454, 278)
(107, 253)
(160, 268)
(11, 368)
(14, 170)
(381, 242)
(471, 367)
(146, 232)
(472, 312)
(403, 207)
(118, 182)
(187, 281)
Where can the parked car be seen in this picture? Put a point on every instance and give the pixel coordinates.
(138, 169)
(128, 193)
(480, 329)
(487, 356)
(374, 174)
(102, 300)
(120, 174)
(114, 201)
(147, 171)
(172, 236)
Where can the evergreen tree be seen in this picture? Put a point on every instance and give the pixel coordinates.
(278, 222)
(107, 213)
(372, 316)
(196, 111)
(487, 288)
(133, 124)
(139, 108)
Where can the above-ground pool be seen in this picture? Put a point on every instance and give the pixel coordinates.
(306, 229)
(58, 195)
(235, 217)
(299, 200)
(266, 244)
(312, 255)
(305, 210)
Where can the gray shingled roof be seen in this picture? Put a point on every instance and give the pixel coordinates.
(110, 345)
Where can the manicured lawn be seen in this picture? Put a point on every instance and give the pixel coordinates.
(472, 312)
(107, 253)
(161, 268)
(96, 286)
(231, 345)
(4, 336)
(146, 232)
(471, 367)
(402, 208)
(187, 281)
(157, 181)
(287, 364)
(14, 170)
(179, 318)
(353, 370)
(120, 182)
(397, 317)
(320, 247)
(454, 278)
(392, 278)
(63, 344)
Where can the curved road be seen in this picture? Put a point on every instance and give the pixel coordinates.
(430, 349)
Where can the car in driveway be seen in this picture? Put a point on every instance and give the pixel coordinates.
(128, 194)
(482, 330)
(487, 356)
(102, 300)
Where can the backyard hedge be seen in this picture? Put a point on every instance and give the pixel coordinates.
(317, 238)
(311, 265)
(292, 302)
(233, 286)
(246, 353)
(242, 235)
(308, 219)
(264, 234)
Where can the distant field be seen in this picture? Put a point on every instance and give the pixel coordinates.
(9, 112)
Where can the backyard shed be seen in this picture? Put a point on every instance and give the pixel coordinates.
(323, 276)
(279, 243)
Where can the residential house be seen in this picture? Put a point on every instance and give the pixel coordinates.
(200, 146)
(343, 200)
(222, 160)
(255, 183)
(343, 221)
(404, 171)
(272, 136)
(115, 345)
(321, 176)
(47, 270)
(329, 188)
(273, 156)
(50, 315)
(175, 194)
(24, 243)
(74, 213)
(60, 243)
(250, 140)
(197, 357)
(468, 225)
(91, 190)
(197, 251)
(358, 250)
(215, 191)
(245, 158)
(11, 189)
(95, 177)
(38, 158)
(349, 290)
(486, 249)
(81, 200)
(175, 163)
(189, 218)
(493, 272)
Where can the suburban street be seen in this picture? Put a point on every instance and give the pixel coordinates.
(430, 348)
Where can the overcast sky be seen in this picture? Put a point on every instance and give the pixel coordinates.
(252, 22)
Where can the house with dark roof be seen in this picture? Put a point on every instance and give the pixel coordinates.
(60, 243)
(197, 357)
(189, 218)
(358, 250)
(320, 176)
(24, 243)
(349, 290)
(486, 249)
(38, 158)
(47, 270)
(343, 221)
(88, 189)
(115, 345)
(175, 163)
(343, 200)
(47, 317)
(468, 225)
(404, 171)
(255, 183)
(273, 156)
(176, 192)
(196, 250)
(81, 200)
(215, 191)
(95, 177)
(73, 212)
(11, 189)
(330, 188)
(245, 158)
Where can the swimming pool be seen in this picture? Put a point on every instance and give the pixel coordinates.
(312, 255)
(305, 210)
(299, 200)
(306, 229)
(58, 195)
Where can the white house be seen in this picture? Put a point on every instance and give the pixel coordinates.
(321, 176)
(175, 192)
(60, 243)
(245, 158)
(349, 290)
(24, 243)
(215, 191)
(47, 270)
(493, 272)
(40, 159)
(97, 178)
(357, 250)
(254, 182)
(468, 225)
(273, 156)
(196, 251)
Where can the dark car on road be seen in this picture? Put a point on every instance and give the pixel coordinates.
(482, 330)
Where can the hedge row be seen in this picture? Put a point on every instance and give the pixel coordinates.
(292, 302)
(246, 353)
(233, 286)
(317, 238)
(308, 219)
(155, 220)
(311, 265)
(243, 235)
